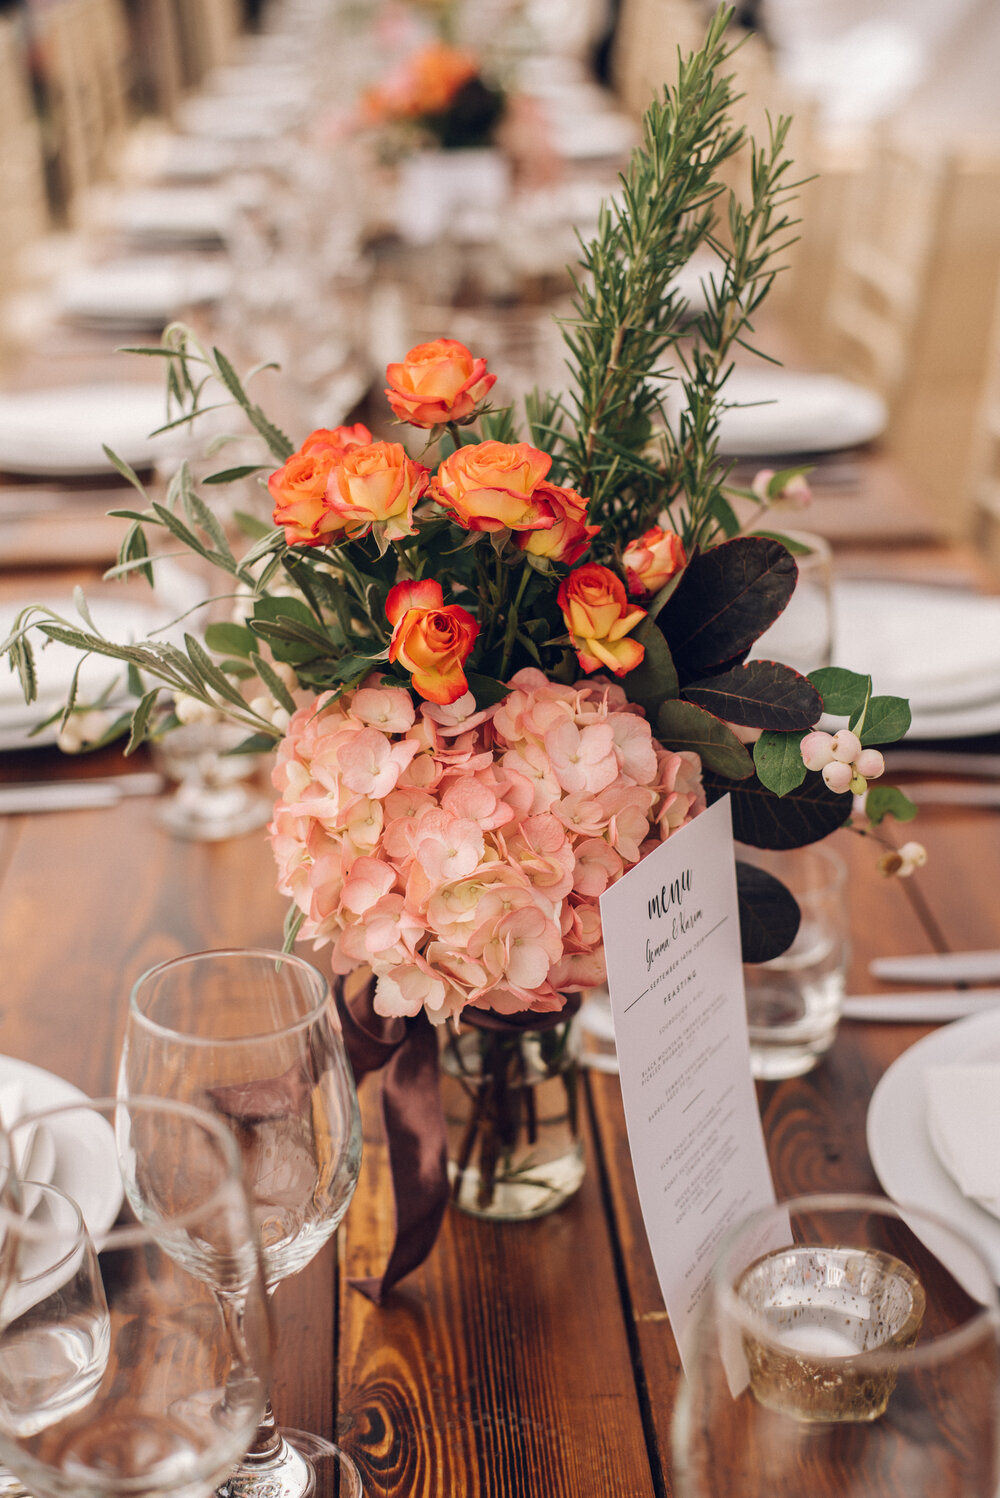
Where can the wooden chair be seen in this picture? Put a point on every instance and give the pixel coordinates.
(23, 200)
(83, 50)
(208, 31)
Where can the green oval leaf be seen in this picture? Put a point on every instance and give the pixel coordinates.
(888, 801)
(764, 820)
(769, 914)
(760, 694)
(887, 719)
(777, 759)
(681, 725)
(654, 680)
(844, 693)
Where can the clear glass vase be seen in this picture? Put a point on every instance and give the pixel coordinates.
(511, 1108)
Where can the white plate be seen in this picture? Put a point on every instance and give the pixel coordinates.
(86, 1165)
(939, 647)
(899, 1141)
(140, 292)
(175, 215)
(61, 430)
(784, 411)
(55, 663)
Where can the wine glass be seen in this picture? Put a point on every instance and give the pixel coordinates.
(134, 1359)
(254, 1035)
(844, 1347)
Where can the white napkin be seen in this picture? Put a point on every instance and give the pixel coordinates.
(34, 1150)
(963, 1118)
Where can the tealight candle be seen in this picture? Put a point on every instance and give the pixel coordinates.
(822, 1312)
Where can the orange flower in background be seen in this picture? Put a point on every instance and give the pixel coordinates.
(425, 83)
(376, 488)
(653, 560)
(569, 535)
(490, 486)
(437, 382)
(430, 639)
(299, 487)
(595, 606)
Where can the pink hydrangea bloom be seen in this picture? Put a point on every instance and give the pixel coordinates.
(461, 853)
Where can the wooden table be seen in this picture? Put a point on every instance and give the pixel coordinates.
(522, 1359)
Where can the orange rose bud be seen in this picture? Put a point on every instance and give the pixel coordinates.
(437, 382)
(595, 606)
(299, 487)
(430, 639)
(653, 560)
(490, 486)
(376, 488)
(569, 535)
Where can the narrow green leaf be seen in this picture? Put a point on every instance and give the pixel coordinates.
(140, 720)
(273, 682)
(654, 680)
(229, 475)
(125, 469)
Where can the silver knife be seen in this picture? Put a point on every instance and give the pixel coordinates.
(939, 967)
(920, 1008)
(74, 795)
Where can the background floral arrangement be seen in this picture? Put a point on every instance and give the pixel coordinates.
(436, 96)
(498, 677)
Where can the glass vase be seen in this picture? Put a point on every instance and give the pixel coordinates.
(511, 1108)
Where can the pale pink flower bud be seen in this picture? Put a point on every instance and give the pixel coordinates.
(817, 750)
(846, 746)
(761, 484)
(914, 854)
(837, 776)
(870, 764)
(797, 491)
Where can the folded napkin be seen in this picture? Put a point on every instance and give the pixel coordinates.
(963, 1116)
(34, 1148)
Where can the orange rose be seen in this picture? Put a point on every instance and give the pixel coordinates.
(490, 486)
(376, 488)
(430, 639)
(299, 487)
(437, 382)
(437, 73)
(595, 607)
(569, 535)
(652, 560)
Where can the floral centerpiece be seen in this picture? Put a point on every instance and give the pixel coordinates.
(439, 95)
(498, 669)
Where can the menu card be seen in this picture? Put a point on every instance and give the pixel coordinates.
(675, 975)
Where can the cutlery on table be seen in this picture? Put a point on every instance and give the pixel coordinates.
(75, 795)
(920, 1008)
(949, 793)
(943, 762)
(939, 967)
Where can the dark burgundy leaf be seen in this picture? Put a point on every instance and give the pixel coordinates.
(761, 694)
(764, 820)
(769, 914)
(725, 600)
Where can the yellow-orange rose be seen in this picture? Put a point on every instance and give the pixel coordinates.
(299, 486)
(430, 639)
(490, 486)
(437, 382)
(376, 488)
(595, 606)
(569, 534)
(652, 560)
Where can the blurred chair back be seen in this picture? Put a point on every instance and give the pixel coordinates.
(23, 201)
(885, 259)
(208, 31)
(83, 48)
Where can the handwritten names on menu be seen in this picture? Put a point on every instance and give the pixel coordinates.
(675, 977)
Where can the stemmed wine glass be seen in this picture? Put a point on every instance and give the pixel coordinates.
(254, 1036)
(844, 1347)
(135, 1361)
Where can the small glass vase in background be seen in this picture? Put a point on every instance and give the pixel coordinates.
(511, 1108)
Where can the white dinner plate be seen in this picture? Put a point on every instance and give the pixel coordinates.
(86, 1165)
(776, 412)
(120, 620)
(174, 215)
(61, 430)
(899, 1141)
(940, 647)
(145, 291)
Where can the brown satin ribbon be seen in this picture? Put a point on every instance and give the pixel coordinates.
(406, 1052)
